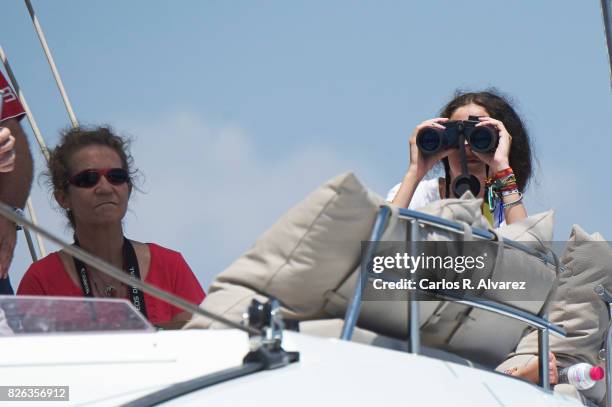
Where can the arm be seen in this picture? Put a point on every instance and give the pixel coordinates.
(514, 213)
(419, 164)
(500, 161)
(14, 191)
(15, 185)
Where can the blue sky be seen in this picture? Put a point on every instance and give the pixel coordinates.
(239, 109)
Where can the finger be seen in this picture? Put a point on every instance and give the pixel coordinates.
(5, 133)
(432, 122)
(8, 145)
(488, 121)
(7, 162)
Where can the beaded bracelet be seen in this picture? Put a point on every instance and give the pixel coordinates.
(503, 173)
(510, 192)
(509, 187)
(503, 183)
(513, 203)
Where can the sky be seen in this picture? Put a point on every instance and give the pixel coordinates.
(239, 109)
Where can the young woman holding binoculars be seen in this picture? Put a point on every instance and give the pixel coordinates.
(499, 176)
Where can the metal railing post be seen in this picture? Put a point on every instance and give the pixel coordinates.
(414, 322)
(352, 311)
(543, 356)
(605, 296)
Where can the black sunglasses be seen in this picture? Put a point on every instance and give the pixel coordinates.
(90, 178)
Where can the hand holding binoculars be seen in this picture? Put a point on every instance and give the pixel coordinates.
(482, 139)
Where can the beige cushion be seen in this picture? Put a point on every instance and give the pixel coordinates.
(575, 307)
(467, 331)
(535, 231)
(463, 210)
(230, 301)
(308, 252)
(455, 327)
(309, 260)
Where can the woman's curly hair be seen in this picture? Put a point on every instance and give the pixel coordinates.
(72, 140)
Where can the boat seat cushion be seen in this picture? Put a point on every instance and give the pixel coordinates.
(575, 306)
(308, 252)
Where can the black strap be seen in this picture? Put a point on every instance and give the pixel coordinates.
(130, 266)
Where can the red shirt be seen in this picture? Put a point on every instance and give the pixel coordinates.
(167, 270)
(11, 107)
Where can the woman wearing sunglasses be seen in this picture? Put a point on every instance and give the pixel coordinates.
(91, 173)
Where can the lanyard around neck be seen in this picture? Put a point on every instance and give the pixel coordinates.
(130, 262)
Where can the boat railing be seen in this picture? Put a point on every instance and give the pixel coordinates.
(606, 297)
(416, 220)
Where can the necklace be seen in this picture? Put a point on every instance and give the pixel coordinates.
(109, 289)
(130, 267)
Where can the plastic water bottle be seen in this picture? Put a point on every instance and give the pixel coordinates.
(581, 375)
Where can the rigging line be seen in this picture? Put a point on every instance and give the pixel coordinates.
(115, 273)
(606, 11)
(39, 241)
(56, 75)
(41, 144)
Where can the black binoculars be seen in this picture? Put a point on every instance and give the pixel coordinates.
(482, 139)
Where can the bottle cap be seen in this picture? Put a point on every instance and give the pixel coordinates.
(596, 373)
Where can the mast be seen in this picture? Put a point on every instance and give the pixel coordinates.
(606, 11)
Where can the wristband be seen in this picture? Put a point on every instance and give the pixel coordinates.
(510, 192)
(513, 203)
(503, 173)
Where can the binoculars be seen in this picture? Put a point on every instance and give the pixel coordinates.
(482, 139)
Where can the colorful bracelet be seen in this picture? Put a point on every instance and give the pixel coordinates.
(509, 187)
(510, 179)
(503, 173)
(510, 192)
(513, 203)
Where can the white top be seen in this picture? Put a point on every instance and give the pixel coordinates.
(428, 191)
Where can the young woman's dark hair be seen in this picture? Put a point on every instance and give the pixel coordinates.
(499, 107)
(74, 139)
